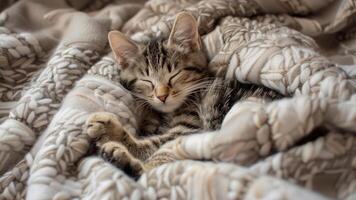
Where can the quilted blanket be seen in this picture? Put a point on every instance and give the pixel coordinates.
(56, 69)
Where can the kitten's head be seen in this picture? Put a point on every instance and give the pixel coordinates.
(163, 73)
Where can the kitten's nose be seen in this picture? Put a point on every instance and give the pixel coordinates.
(163, 97)
(162, 92)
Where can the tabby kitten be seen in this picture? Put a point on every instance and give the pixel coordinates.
(171, 80)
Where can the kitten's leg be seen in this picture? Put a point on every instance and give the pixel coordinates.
(185, 122)
(155, 160)
(108, 131)
(148, 146)
(118, 154)
(143, 148)
(105, 127)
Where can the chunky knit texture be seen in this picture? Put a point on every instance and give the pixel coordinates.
(55, 71)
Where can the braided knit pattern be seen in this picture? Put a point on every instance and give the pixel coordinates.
(192, 179)
(50, 83)
(20, 60)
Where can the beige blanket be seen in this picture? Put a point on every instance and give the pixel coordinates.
(55, 70)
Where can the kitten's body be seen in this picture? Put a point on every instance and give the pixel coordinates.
(174, 93)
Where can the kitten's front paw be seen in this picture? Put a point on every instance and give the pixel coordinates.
(115, 153)
(118, 155)
(103, 123)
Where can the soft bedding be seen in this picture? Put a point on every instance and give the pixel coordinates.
(56, 69)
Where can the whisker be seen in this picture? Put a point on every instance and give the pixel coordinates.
(142, 105)
(193, 88)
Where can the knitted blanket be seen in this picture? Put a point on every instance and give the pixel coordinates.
(56, 69)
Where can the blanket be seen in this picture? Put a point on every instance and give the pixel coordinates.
(56, 69)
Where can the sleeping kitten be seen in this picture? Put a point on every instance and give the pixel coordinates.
(180, 97)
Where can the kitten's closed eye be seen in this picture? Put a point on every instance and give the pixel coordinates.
(148, 82)
(170, 81)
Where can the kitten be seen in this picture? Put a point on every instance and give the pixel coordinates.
(180, 97)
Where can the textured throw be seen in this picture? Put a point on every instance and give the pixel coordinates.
(55, 70)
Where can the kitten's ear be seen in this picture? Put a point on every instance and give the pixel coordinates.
(124, 49)
(185, 32)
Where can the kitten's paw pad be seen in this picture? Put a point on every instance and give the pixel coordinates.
(115, 153)
(98, 123)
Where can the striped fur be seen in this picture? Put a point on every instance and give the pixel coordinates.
(174, 92)
(202, 109)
